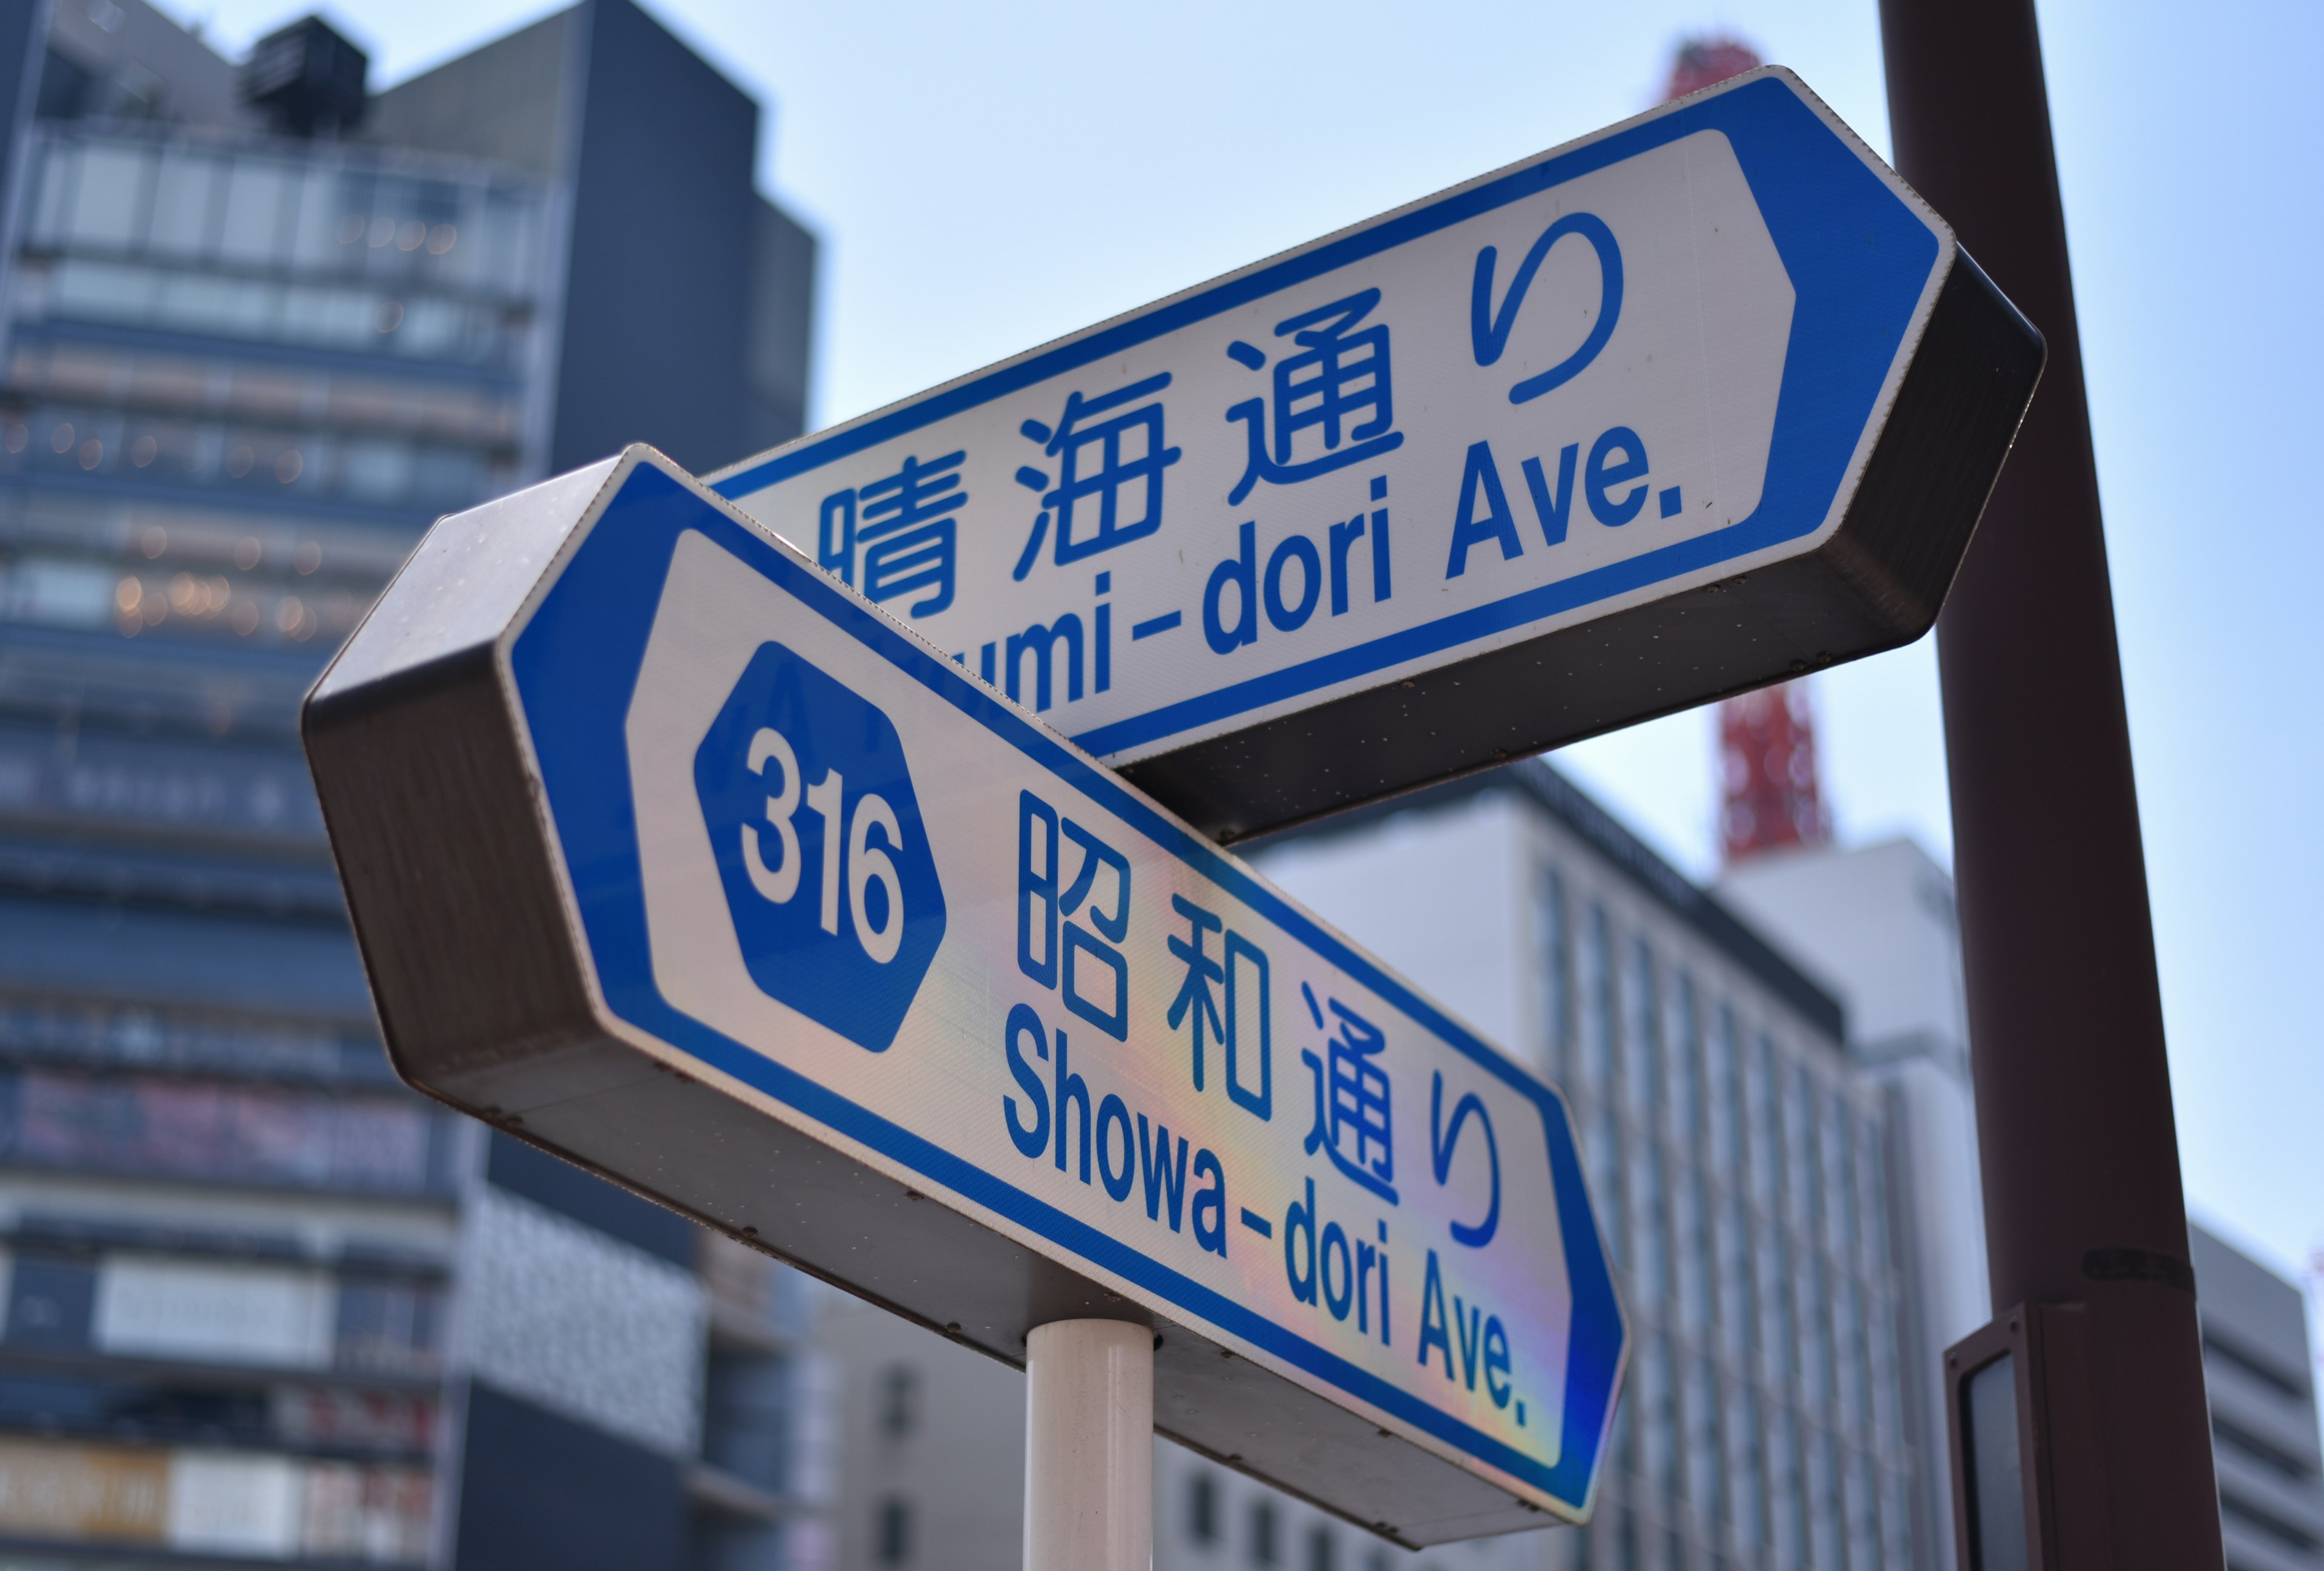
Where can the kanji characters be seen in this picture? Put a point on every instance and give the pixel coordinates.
(1351, 1109)
(1339, 374)
(1110, 456)
(1044, 909)
(906, 528)
(1243, 1038)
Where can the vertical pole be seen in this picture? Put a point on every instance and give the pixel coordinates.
(2079, 1152)
(1089, 1447)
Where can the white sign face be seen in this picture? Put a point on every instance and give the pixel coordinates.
(818, 868)
(1644, 363)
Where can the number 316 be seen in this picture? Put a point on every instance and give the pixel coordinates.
(866, 863)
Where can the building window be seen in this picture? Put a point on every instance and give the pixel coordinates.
(891, 1531)
(1823, 1500)
(388, 1326)
(1776, 1326)
(1263, 1548)
(51, 1301)
(1641, 1038)
(1863, 1511)
(1651, 1273)
(1557, 975)
(1816, 1307)
(1705, 1478)
(1838, 1179)
(1790, 1509)
(1872, 1203)
(1684, 1060)
(1658, 1441)
(1323, 1549)
(1766, 1159)
(746, 1417)
(900, 1400)
(1736, 1324)
(1597, 1006)
(1694, 1256)
(1747, 1498)
(1602, 1148)
(1726, 1106)
(1203, 1508)
(1805, 1175)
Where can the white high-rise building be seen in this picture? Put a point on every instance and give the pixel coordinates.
(1877, 926)
(2261, 1374)
(1739, 1160)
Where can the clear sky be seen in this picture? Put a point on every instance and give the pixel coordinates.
(985, 178)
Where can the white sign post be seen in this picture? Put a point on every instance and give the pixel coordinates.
(670, 854)
(1706, 400)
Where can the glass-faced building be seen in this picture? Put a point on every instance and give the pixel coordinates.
(258, 329)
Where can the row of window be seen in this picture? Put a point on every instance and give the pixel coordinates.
(1752, 1474)
(270, 1135)
(1741, 1192)
(333, 213)
(1795, 1276)
(263, 392)
(1263, 1540)
(1639, 1039)
(377, 471)
(89, 1032)
(239, 793)
(196, 1504)
(343, 318)
(61, 591)
(141, 1404)
(227, 1312)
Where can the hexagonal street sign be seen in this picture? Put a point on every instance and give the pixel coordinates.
(651, 830)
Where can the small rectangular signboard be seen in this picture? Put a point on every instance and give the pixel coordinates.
(1704, 400)
(670, 854)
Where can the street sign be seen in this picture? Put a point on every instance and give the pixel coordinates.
(672, 854)
(1706, 400)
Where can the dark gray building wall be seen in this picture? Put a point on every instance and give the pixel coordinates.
(658, 280)
(501, 102)
(23, 44)
(688, 299)
(782, 327)
(541, 1491)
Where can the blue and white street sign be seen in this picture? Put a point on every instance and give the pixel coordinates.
(1696, 402)
(670, 853)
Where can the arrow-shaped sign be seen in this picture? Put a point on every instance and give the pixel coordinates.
(670, 854)
(1708, 398)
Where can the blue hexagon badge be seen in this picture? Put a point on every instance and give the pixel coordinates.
(820, 846)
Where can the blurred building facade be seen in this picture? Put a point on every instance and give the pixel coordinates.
(1740, 1160)
(1877, 925)
(2261, 1375)
(262, 1305)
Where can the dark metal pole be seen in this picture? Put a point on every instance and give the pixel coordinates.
(2082, 1199)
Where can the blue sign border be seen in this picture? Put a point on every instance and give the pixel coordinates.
(1859, 259)
(576, 665)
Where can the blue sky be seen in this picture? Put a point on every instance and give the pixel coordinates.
(985, 178)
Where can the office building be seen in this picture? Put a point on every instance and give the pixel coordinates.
(2261, 1375)
(263, 1304)
(1877, 925)
(1739, 1159)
